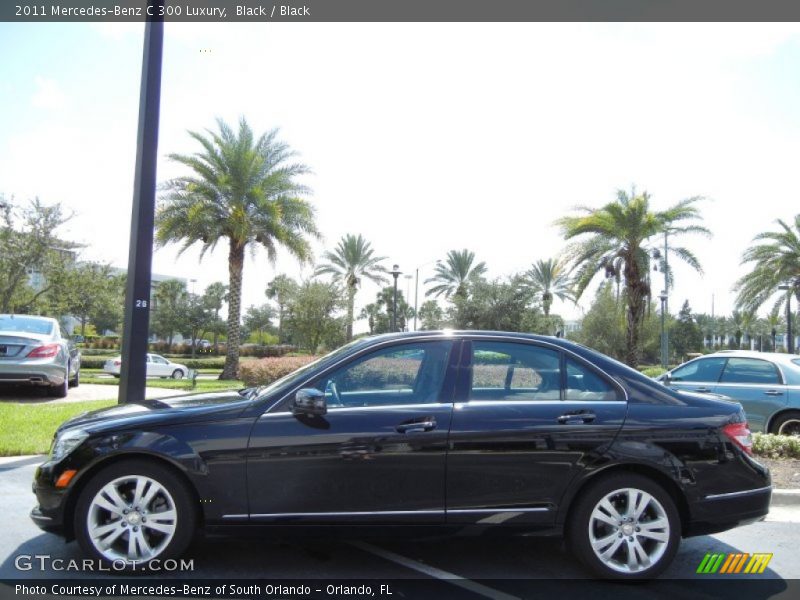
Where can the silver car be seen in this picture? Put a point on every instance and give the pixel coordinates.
(33, 352)
(766, 384)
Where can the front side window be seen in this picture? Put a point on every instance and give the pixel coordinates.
(508, 371)
(706, 370)
(402, 374)
(750, 370)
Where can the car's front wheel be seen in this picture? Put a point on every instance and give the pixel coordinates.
(133, 512)
(625, 526)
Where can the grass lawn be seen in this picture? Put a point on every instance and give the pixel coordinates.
(184, 385)
(29, 428)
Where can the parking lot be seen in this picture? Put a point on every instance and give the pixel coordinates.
(467, 563)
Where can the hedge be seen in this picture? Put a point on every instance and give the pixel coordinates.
(266, 370)
(776, 446)
(217, 362)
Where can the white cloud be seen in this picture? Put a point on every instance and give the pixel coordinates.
(48, 94)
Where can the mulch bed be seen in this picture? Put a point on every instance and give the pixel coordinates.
(785, 471)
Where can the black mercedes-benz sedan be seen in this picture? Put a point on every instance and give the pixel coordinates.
(482, 430)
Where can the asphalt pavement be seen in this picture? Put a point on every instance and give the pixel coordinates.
(498, 568)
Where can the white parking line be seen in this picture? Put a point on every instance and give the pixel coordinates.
(467, 584)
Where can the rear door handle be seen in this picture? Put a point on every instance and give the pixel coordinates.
(577, 418)
(428, 424)
(774, 393)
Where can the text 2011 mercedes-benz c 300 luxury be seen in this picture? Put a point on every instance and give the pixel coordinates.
(504, 431)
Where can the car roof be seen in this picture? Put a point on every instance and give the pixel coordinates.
(781, 357)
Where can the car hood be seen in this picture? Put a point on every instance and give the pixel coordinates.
(171, 410)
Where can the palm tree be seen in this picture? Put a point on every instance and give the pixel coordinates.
(216, 293)
(777, 263)
(453, 275)
(281, 289)
(242, 190)
(548, 279)
(351, 261)
(615, 244)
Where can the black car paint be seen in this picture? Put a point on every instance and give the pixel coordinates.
(366, 471)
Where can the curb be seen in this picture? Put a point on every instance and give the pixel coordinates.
(785, 497)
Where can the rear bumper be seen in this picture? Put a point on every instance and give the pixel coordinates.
(34, 373)
(721, 512)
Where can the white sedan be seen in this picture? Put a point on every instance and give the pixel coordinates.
(157, 366)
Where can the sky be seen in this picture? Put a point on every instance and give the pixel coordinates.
(424, 137)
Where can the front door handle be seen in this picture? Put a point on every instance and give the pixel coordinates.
(702, 390)
(427, 424)
(774, 393)
(577, 418)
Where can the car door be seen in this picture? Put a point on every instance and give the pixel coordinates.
(526, 420)
(159, 366)
(378, 455)
(757, 384)
(699, 375)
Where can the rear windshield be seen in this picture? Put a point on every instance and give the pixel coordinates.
(26, 325)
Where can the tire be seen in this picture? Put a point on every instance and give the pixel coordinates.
(163, 537)
(652, 538)
(60, 391)
(787, 424)
(177, 374)
(75, 381)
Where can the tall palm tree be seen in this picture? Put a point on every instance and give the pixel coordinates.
(614, 243)
(776, 261)
(455, 273)
(548, 279)
(281, 289)
(243, 190)
(216, 293)
(351, 261)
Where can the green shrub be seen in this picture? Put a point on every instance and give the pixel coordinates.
(776, 446)
(266, 370)
(653, 371)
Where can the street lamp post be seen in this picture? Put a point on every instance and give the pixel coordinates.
(789, 340)
(395, 272)
(663, 298)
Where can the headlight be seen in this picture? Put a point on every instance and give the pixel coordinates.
(67, 442)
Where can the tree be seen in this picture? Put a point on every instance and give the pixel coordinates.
(281, 289)
(351, 261)
(259, 318)
(28, 244)
(379, 313)
(311, 316)
(169, 312)
(197, 319)
(549, 279)
(614, 242)
(215, 295)
(496, 305)
(776, 263)
(431, 315)
(685, 334)
(94, 292)
(455, 273)
(245, 191)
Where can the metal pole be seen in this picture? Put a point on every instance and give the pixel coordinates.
(665, 338)
(416, 297)
(394, 304)
(789, 339)
(140, 252)
(663, 331)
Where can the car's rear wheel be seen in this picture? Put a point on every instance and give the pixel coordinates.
(787, 424)
(60, 391)
(133, 512)
(625, 526)
(177, 374)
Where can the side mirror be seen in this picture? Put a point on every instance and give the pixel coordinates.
(310, 402)
(666, 378)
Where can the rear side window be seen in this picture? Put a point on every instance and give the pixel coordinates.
(701, 370)
(750, 370)
(585, 384)
(508, 371)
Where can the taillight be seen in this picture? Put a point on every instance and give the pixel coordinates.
(739, 434)
(46, 351)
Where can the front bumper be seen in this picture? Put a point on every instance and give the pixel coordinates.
(721, 512)
(49, 513)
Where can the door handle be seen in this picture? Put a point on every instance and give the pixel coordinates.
(773, 393)
(422, 426)
(577, 418)
(703, 390)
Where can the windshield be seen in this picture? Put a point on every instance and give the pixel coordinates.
(294, 376)
(26, 324)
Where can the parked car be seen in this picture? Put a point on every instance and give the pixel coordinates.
(767, 384)
(494, 431)
(33, 352)
(157, 366)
